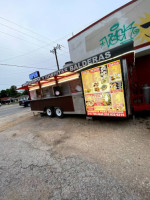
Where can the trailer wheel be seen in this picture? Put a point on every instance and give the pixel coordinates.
(49, 112)
(59, 112)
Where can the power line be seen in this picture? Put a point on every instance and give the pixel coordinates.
(44, 61)
(27, 40)
(24, 27)
(9, 84)
(23, 33)
(48, 39)
(24, 54)
(17, 37)
(36, 63)
(29, 53)
(31, 31)
(29, 35)
(22, 66)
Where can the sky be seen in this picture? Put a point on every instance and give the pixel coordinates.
(29, 29)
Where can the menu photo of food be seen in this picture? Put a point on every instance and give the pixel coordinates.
(87, 91)
(106, 99)
(96, 79)
(89, 100)
(96, 87)
(96, 76)
(103, 71)
(114, 67)
(118, 101)
(104, 80)
(115, 77)
(90, 103)
(87, 79)
(105, 88)
(116, 86)
(119, 107)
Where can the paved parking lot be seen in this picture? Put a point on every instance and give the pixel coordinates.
(72, 158)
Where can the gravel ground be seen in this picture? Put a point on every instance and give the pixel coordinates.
(72, 158)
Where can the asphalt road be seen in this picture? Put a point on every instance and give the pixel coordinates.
(6, 110)
(48, 159)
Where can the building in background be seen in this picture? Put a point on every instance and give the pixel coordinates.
(130, 22)
(23, 98)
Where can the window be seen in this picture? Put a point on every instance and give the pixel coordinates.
(38, 94)
(65, 89)
(46, 92)
(33, 94)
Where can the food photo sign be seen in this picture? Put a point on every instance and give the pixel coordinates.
(103, 90)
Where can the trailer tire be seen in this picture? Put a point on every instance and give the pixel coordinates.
(50, 112)
(58, 112)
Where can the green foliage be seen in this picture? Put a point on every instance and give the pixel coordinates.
(3, 93)
(25, 92)
(12, 92)
(18, 94)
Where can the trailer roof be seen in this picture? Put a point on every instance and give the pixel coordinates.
(41, 82)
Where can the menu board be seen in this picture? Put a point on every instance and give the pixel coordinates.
(103, 90)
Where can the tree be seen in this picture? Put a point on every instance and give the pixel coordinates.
(3, 93)
(18, 94)
(8, 92)
(12, 91)
(25, 92)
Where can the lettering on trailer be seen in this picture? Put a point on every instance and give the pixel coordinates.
(100, 57)
(30, 82)
(92, 60)
(89, 61)
(79, 65)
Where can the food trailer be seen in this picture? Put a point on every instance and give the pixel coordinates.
(56, 93)
(110, 74)
(96, 86)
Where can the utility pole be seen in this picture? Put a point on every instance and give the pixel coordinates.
(54, 51)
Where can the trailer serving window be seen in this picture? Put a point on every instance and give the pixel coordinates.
(46, 92)
(33, 95)
(65, 88)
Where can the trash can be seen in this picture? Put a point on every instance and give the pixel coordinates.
(146, 93)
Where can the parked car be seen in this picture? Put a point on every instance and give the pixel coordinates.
(25, 103)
